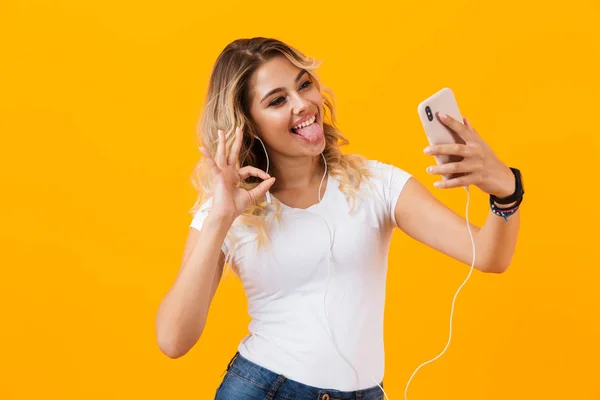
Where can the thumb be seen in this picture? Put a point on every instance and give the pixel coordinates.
(262, 189)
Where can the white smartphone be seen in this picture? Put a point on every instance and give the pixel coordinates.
(437, 133)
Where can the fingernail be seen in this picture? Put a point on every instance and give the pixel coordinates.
(428, 169)
(427, 150)
(437, 184)
(443, 116)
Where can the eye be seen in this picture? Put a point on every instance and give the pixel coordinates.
(309, 83)
(303, 86)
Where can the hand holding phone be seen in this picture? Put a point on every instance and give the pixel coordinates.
(442, 102)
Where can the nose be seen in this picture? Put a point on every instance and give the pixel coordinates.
(301, 105)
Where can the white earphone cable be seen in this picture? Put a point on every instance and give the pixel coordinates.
(453, 300)
(329, 330)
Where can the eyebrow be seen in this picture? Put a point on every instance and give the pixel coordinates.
(280, 88)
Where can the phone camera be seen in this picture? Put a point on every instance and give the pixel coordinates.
(429, 113)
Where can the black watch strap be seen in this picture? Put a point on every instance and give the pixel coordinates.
(519, 190)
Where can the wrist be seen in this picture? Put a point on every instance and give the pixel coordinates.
(507, 186)
(506, 210)
(221, 217)
(505, 206)
(516, 186)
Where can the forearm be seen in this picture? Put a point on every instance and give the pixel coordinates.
(495, 242)
(182, 314)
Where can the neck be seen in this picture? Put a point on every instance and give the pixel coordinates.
(296, 172)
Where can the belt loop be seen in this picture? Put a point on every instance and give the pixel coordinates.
(275, 387)
(232, 360)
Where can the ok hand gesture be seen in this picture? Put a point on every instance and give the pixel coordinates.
(229, 200)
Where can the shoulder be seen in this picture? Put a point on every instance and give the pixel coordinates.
(389, 181)
(381, 190)
(387, 173)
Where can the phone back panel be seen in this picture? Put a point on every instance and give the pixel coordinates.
(436, 132)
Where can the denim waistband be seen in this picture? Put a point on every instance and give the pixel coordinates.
(285, 387)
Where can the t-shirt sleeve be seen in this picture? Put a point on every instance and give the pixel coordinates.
(199, 218)
(393, 180)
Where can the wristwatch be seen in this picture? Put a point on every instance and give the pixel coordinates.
(519, 190)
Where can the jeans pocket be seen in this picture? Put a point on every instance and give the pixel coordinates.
(237, 387)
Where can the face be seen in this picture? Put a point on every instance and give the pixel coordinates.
(276, 113)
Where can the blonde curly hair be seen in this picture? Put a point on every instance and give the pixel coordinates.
(228, 106)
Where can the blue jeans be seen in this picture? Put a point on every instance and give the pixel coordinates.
(246, 380)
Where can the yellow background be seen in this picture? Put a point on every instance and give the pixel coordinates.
(98, 107)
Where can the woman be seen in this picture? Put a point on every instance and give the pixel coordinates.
(307, 230)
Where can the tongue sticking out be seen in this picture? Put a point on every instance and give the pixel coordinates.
(312, 133)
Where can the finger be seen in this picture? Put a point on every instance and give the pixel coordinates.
(220, 159)
(209, 160)
(260, 190)
(454, 124)
(474, 134)
(252, 171)
(467, 123)
(452, 168)
(450, 149)
(464, 180)
(235, 149)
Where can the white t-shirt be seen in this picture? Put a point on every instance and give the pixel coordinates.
(285, 285)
